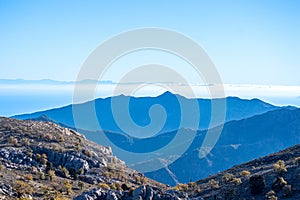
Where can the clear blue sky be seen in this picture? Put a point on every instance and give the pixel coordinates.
(254, 42)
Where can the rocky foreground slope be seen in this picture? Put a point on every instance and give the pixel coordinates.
(273, 177)
(41, 160)
(276, 176)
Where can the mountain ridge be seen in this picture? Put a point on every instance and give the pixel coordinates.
(139, 107)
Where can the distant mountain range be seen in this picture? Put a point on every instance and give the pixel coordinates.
(139, 107)
(253, 128)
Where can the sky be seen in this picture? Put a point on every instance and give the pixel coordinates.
(250, 42)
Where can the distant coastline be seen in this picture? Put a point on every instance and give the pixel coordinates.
(20, 96)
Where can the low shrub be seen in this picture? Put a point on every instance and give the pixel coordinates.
(236, 181)
(245, 173)
(280, 168)
(103, 186)
(213, 184)
(227, 177)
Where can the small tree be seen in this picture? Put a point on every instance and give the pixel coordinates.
(65, 172)
(68, 187)
(44, 159)
(49, 166)
(51, 174)
(42, 175)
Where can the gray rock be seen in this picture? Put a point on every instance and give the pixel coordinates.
(197, 198)
(6, 190)
(149, 193)
(139, 192)
(89, 179)
(111, 196)
(94, 194)
(76, 163)
(66, 159)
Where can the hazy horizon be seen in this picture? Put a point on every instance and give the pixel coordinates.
(16, 98)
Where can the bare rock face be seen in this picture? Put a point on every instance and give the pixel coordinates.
(6, 189)
(140, 193)
(16, 158)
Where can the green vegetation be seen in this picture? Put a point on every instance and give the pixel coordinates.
(227, 177)
(48, 136)
(213, 184)
(296, 161)
(22, 188)
(81, 185)
(67, 187)
(181, 187)
(13, 141)
(271, 195)
(103, 185)
(51, 175)
(117, 186)
(2, 167)
(28, 177)
(280, 168)
(236, 181)
(245, 173)
(41, 175)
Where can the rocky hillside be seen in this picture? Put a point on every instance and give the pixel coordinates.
(42, 160)
(273, 177)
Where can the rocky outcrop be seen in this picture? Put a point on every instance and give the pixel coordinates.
(43, 160)
(18, 159)
(140, 193)
(71, 159)
(6, 189)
